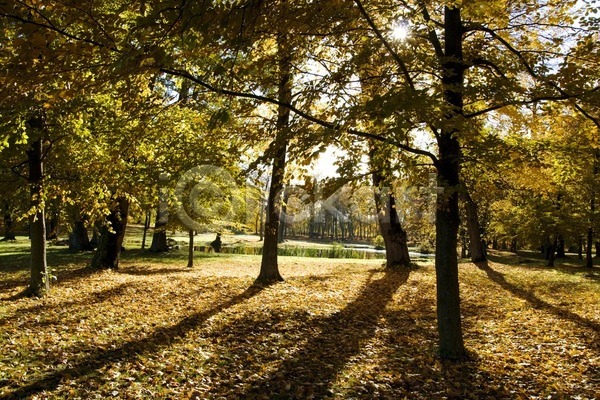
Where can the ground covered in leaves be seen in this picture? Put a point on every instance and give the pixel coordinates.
(339, 329)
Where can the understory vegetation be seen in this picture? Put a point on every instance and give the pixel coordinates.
(334, 329)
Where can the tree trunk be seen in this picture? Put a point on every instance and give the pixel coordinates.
(39, 280)
(159, 237)
(560, 247)
(52, 227)
(551, 252)
(473, 228)
(95, 234)
(394, 237)
(110, 243)
(464, 244)
(589, 260)
(283, 217)
(451, 343)
(269, 269)
(78, 239)
(262, 222)
(9, 224)
(146, 227)
(191, 249)
(514, 245)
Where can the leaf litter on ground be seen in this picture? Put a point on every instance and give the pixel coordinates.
(335, 329)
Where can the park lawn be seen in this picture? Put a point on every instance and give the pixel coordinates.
(334, 329)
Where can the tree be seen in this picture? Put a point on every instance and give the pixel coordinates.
(465, 63)
(40, 279)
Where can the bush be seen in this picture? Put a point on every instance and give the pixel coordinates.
(425, 248)
(378, 242)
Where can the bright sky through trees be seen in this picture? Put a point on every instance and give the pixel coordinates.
(400, 31)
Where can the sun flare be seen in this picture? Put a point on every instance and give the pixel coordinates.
(399, 31)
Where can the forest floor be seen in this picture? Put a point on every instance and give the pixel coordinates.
(336, 328)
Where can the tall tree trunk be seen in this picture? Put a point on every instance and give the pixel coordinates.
(473, 228)
(589, 260)
(146, 227)
(78, 239)
(551, 251)
(40, 281)
(191, 249)
(269, 268)
(110, 244)
(451, 343)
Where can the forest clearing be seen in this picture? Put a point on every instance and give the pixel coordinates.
(334, 329)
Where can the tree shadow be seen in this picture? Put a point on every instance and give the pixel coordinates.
(136, 270)
(160, 338)
(67, 274)
(536, 302)
(41, 309)
(64, 264)
(342, 336)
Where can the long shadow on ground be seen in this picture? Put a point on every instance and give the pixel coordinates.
(160, 338)
(536, 302)
(342, 336)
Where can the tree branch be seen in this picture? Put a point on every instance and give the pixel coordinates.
(308, 117)
(387, 45)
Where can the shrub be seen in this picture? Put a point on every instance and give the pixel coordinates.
(378, 242)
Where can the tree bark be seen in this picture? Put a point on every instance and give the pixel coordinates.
(283, 217)
(589, 259)
(110, 244)
(451, 343)
(551, 251)
(191, 249)
(159, 237)
(52, 227)
(560, 247)
(146, 227)
(78, 239)
(269, 268)
(39, 283)
(394, 237)
(474, 229)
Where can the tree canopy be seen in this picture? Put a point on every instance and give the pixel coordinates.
(500, 100)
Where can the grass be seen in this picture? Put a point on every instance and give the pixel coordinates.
(336, 328)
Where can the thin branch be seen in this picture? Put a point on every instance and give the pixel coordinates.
(308, 117)
(433, 38)
(564, 95)
(387, 45)
(533, 100)
(52, 27)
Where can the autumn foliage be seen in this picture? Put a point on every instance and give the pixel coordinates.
(334, 329)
